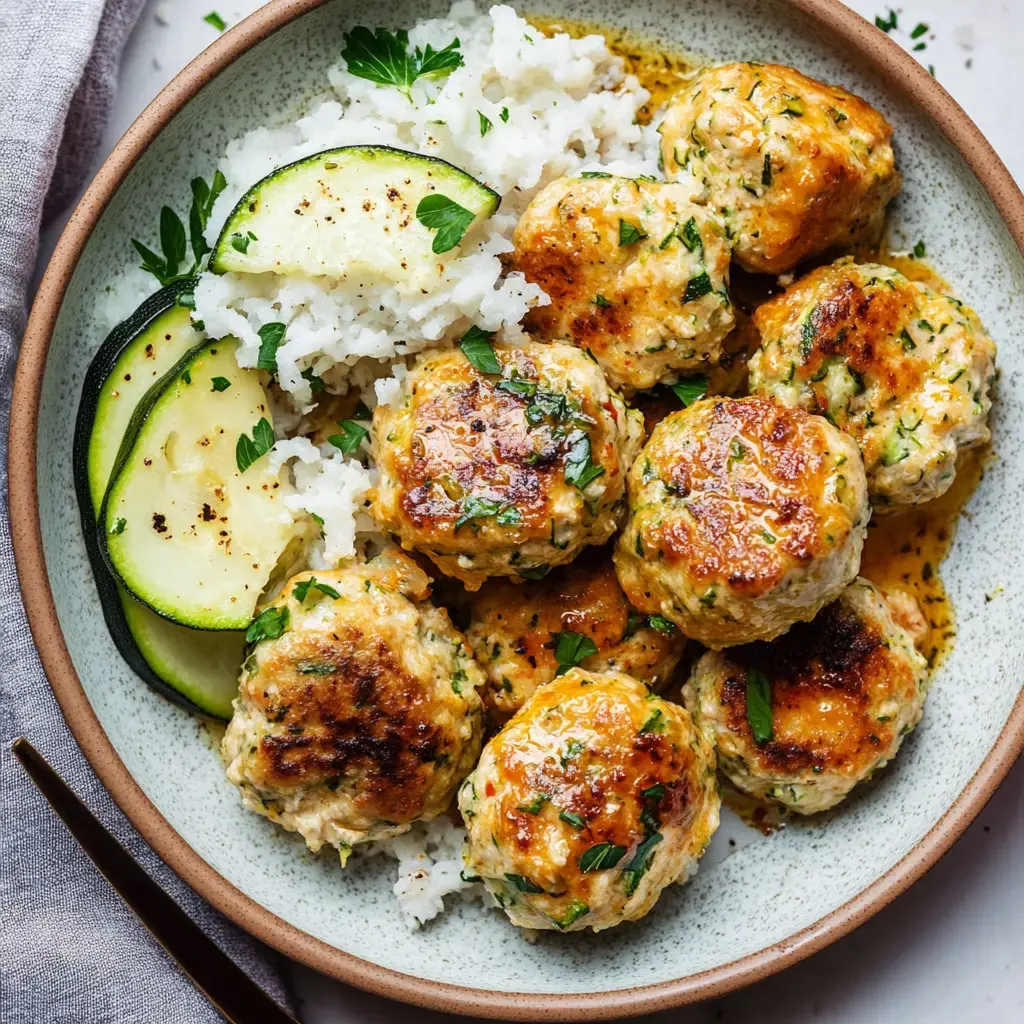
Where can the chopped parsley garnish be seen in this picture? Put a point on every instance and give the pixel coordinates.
(655, 722)
(187, 376)
(384, 58)
(315, 383)
(919, 250)
(600, 300)
(534, 806)
(600, 857)
(573, 749)
(523, 884)
(486, 124)
(215, 20)
(220, 384)
(628, 233)
(595, 174)
(575, 910)
(483, 508)
(907, 340)
(661, 624)
(689, 235)
(759, 705)
(351, 438)
(577, 821)
(301, 590)
(579, 469)
(118, 527)
(886, 24)
(504, 115)
(919, 30)
(268, 625)
(447, 218)
(248, 450)
(640, 862)
(240, 242)
(698, 287)
(271, 336)
(571, 649)
(689, 390)
(477, 348)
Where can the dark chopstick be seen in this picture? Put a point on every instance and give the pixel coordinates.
(238, 998)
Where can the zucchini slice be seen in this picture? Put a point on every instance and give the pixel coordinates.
(196, 670)
(185, 530)
(351, 211)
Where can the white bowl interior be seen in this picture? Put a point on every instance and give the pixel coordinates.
(747, 896)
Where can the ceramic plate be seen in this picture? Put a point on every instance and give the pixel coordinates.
(752, 908)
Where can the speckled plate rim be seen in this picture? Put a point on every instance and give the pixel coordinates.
(907, 79)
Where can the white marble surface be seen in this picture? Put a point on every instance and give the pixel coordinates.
(951, 949)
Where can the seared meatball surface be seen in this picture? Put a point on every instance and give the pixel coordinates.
(523, 636)
(504, 474)
(904, 370)
(358, 711)
(793, 166)
(588, 803)
(745, 517)
(636, 272)
(832, 701)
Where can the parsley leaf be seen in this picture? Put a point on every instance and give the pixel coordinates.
(759, 705)
(919, 30)
(629, 233)
(268, 625)
(601, 301)
(600, 857)
(577, 821)
(248, 450)
(384, 58)
(640, 862)
(661, 624)
(444, 215)
(919, 250)
(302, 589)
(689, 390)
(483, 508)
(485, 124)
(352, 436)
(579, 469)
(572, 648)
(220, 383)
(477, 348)
(886, 24)
(504, 114)
(118, 527)
(271, 336)
(215, 20)
(524, 884)
(698, 287)
(595, 174)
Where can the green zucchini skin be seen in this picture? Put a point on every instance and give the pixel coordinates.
(130, 624)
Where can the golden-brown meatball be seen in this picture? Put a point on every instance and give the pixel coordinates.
(506, 473)
(636, 272)
(523, 636)
(745, 517)
(802, 720)
(793, 166)
(588, 803)
(903, 369)
(358, 711)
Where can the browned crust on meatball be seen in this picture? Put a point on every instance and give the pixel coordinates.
(825, 678)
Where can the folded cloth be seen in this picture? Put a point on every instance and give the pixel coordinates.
(70, 950)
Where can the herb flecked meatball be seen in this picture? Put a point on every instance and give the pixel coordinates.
(525, 635)
(358, 711)
(745, 517)
(903, 369)
(802, 720)
(504, 473)
(636, 272)
(793, 166)
(588, 803)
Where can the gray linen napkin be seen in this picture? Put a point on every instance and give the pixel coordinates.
(70, 951)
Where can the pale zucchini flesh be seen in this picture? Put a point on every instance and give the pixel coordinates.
(185, 531)
(348, 212)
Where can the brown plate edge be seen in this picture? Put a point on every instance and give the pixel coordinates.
(907, 77)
